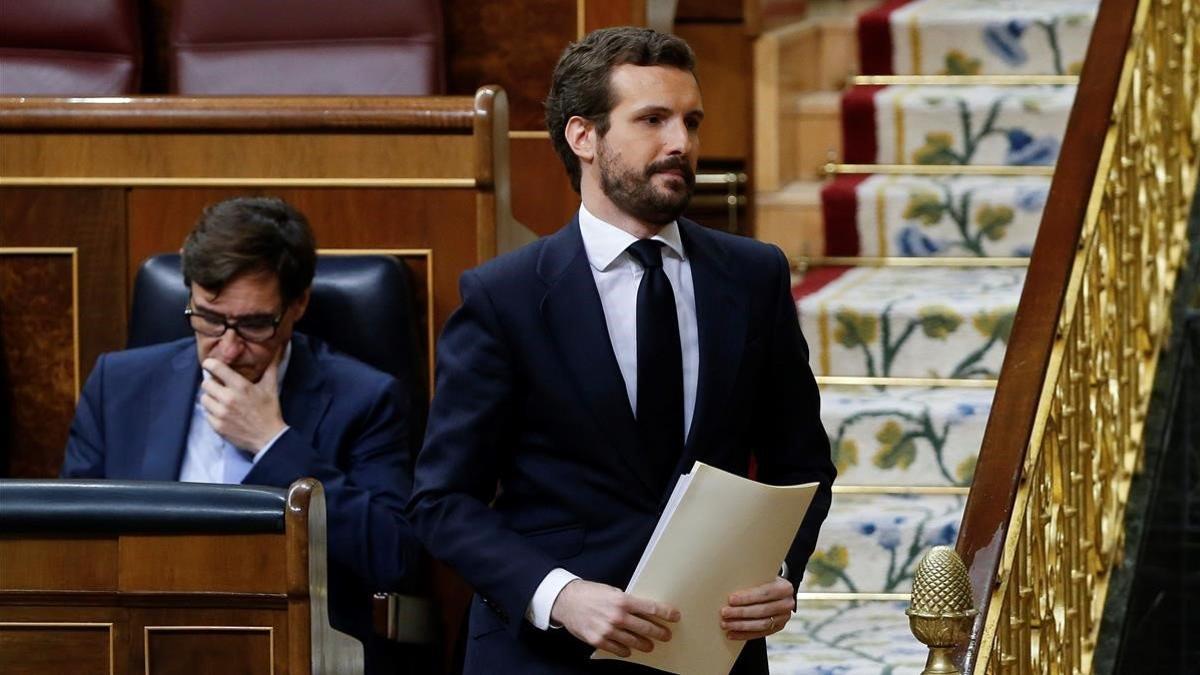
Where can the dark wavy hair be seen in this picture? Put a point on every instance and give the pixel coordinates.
(247, 235)
(580, 85)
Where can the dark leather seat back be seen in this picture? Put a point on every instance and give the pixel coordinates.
(69, 47)
(278, 47)
(361, 305)
(116, 506)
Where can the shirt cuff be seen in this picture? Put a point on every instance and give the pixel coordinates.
(258, 455)
(783, 570)
(538, 612)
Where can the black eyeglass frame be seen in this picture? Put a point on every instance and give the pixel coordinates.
(189, 312)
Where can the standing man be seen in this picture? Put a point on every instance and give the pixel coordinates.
(249, 400)
(583, 373)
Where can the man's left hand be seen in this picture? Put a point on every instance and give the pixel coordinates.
(245, 413)
(759, 611)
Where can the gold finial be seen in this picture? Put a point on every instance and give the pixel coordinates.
(942, 610)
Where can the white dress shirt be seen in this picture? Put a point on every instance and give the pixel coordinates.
(617, 277)
(204, 456)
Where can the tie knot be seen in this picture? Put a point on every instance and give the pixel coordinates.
(648, 252)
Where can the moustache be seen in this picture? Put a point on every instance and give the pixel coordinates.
(673, 164)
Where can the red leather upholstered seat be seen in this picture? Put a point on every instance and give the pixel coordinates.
(306, 47)
(69, 47)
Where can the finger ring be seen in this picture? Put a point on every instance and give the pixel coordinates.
(771, 625)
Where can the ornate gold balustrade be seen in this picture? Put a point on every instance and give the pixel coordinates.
(1044, 523)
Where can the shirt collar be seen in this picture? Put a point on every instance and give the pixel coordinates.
(279, 374)
(604, 242)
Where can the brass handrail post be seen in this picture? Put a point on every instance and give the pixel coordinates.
(942, 610)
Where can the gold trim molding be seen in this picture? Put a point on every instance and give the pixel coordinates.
(898, 261)
(156, 181)
(870, 597)
(900, 490)
(851, 380)
(939, 169)
(966, 80)
(72, 251)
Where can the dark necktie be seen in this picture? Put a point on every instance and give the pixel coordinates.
(659, 364)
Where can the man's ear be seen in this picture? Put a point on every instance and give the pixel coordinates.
(581, 136)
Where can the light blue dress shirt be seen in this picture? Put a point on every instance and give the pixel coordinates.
(209, 458)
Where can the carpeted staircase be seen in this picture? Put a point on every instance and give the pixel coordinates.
(908, 311)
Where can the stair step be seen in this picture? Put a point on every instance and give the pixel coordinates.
(872, 543)
(969, 37)
(948, 125)
(905, 436)
(960, 216)
(950, 323)
(847, 638)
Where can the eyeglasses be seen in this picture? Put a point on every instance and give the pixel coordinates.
(259, 328)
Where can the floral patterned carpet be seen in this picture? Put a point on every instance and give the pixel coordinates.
(912, 322)
(906, 454)
(960, 216)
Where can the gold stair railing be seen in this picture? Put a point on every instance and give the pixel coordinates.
(1044, 520)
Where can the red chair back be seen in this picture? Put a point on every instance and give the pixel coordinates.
(281, 47)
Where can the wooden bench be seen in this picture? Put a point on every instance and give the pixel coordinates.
(148, 577)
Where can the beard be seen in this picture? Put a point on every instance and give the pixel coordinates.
(634, 192)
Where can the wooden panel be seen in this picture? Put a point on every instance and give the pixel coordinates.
(604, 13)
(722, 65)
(158, 624)
(541, 192)
(183, 651)
(497, 43)
(93, 221)
(58, 564)
(37, 360)
(202, 563)
(275, 156)
(56, 649)
(792, 220)
(708, 10)
(811, 136)
(159, 218)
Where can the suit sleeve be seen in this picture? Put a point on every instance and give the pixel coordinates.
(84, 457)
(460, 463)
(365, 491)
(792, 446)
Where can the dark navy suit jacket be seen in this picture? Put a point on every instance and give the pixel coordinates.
(530, 397)
(348, 429)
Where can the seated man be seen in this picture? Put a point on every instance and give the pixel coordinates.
(248, 400)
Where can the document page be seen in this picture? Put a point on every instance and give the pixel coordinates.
(720, 533)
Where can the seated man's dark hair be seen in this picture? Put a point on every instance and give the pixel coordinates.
(581, 79)
(248, 235)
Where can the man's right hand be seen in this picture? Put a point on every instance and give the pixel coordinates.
(610, 619)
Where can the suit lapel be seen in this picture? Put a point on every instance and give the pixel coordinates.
(721, 318)
(302, 398)
(170, 407)
(574, 318)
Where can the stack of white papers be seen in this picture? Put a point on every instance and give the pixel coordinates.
(719, 533)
